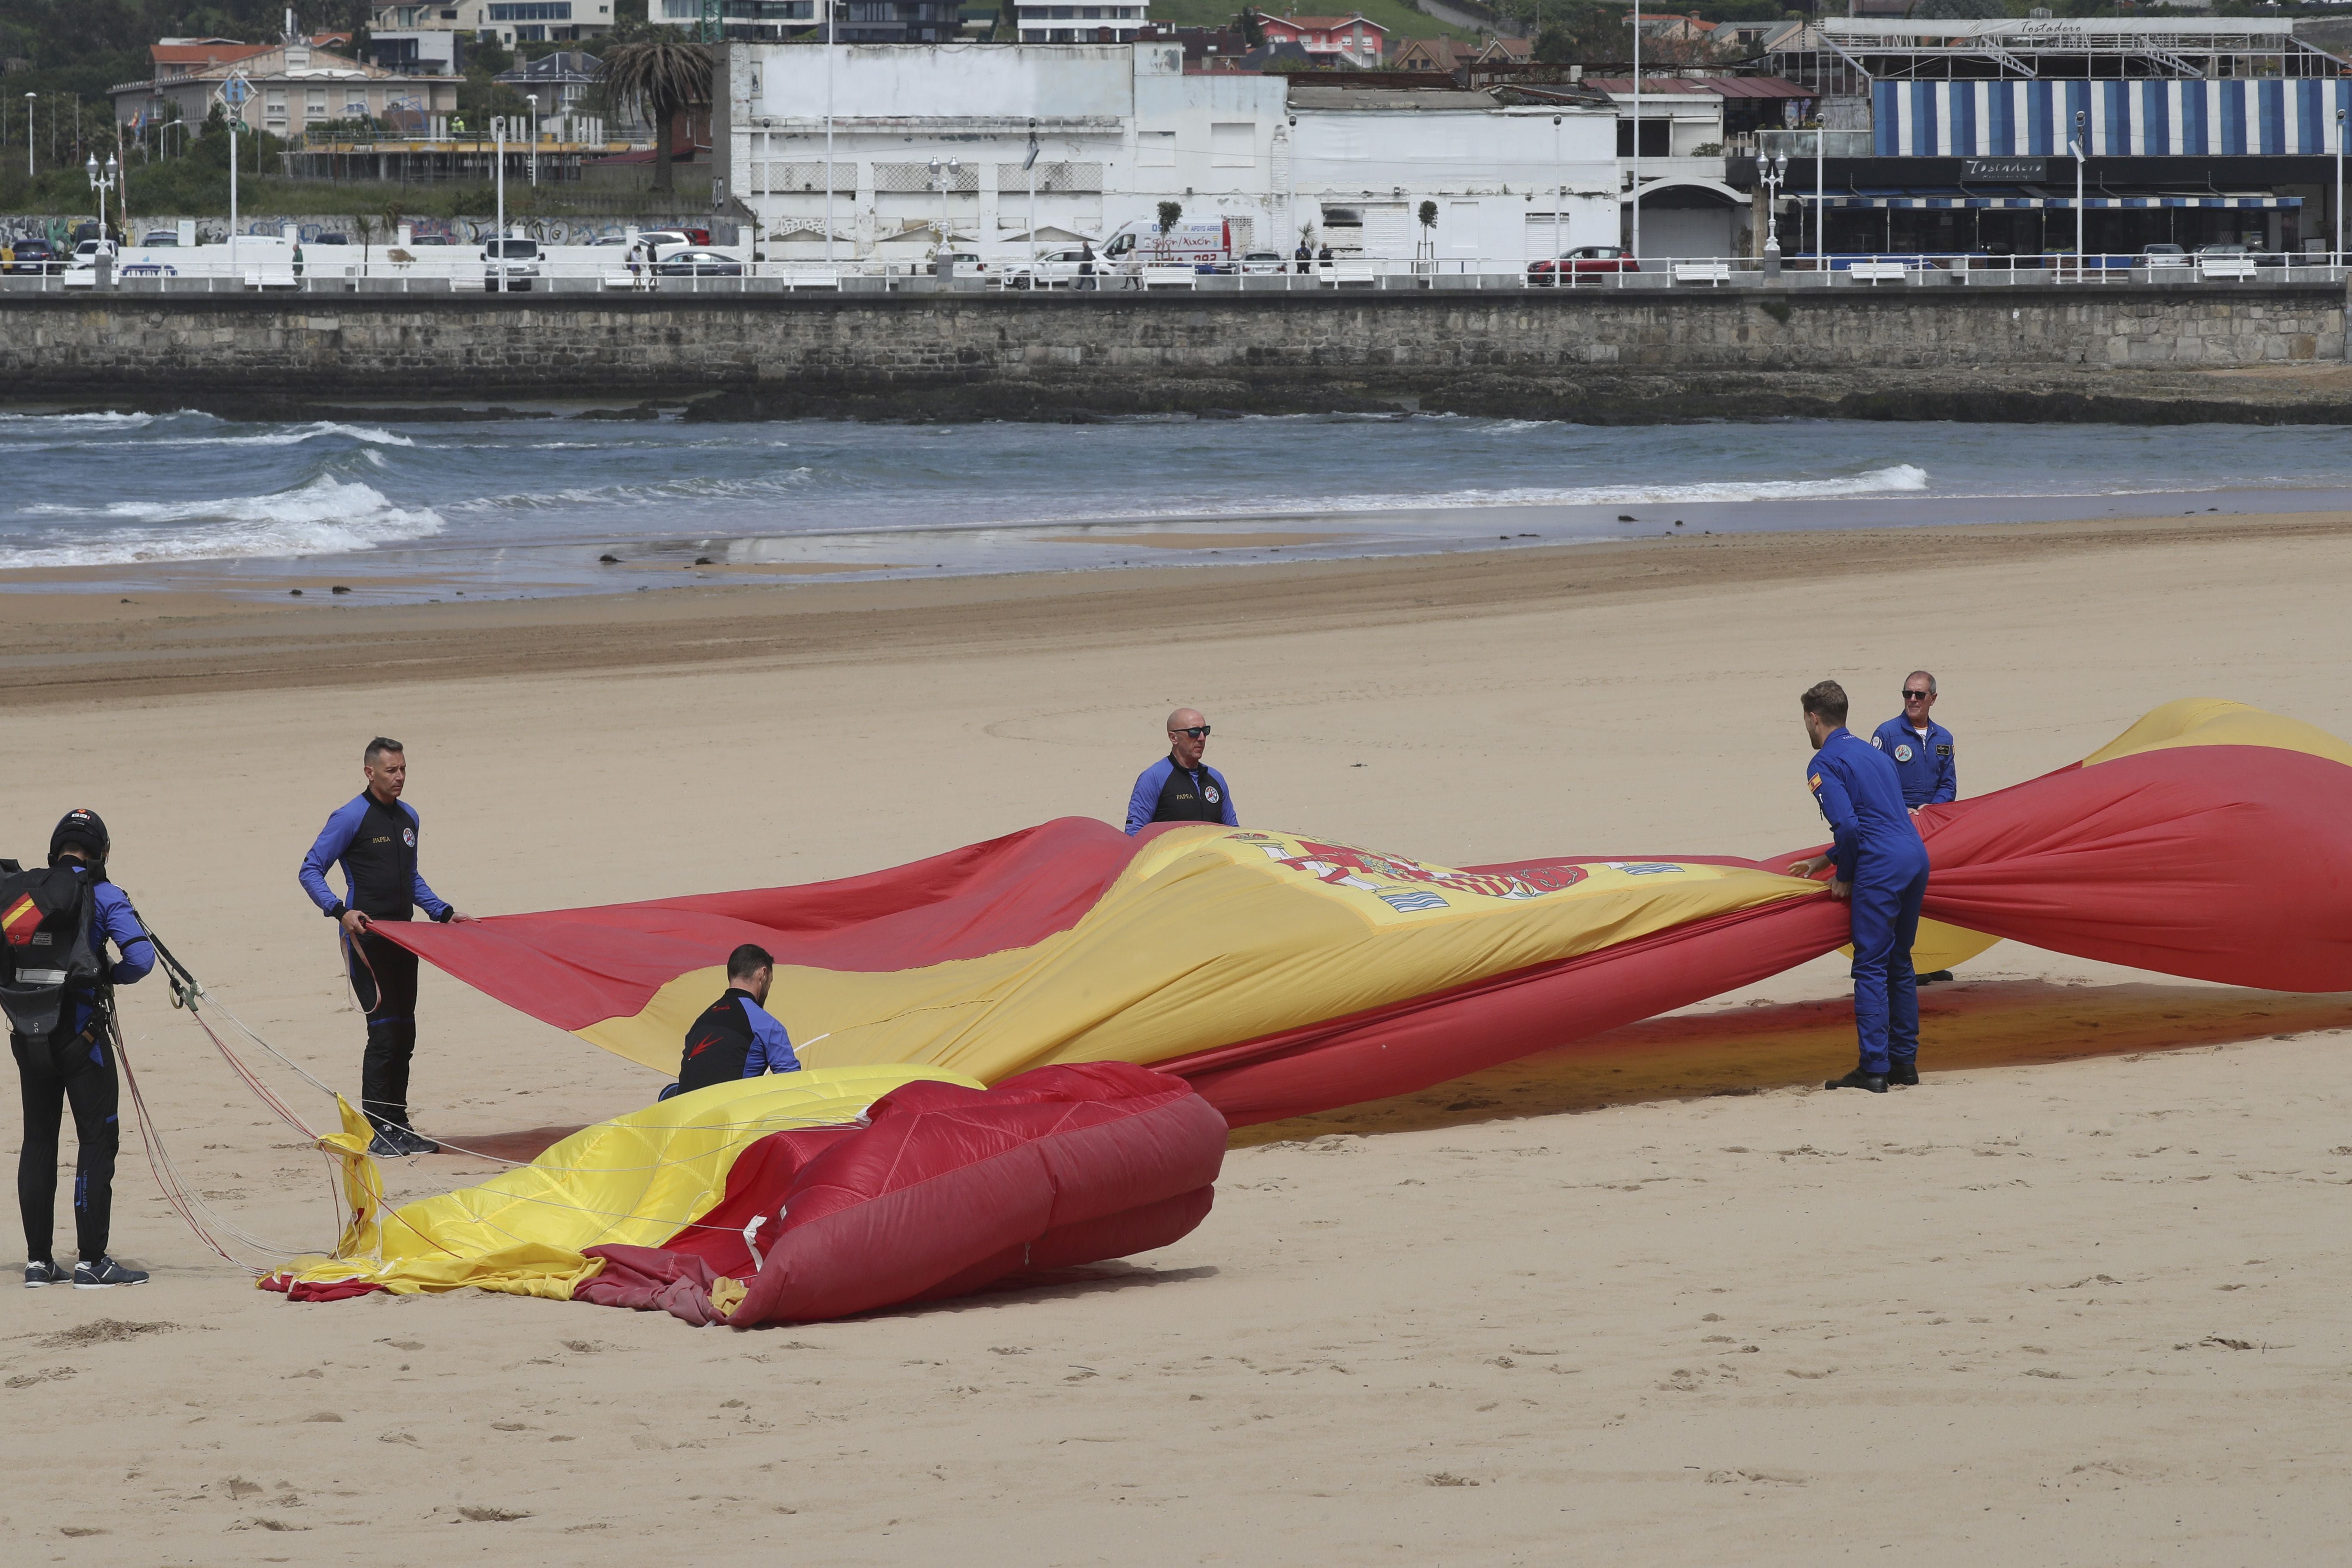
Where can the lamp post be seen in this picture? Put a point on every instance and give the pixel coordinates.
(828, 129)
(533, 99)
(102, 180)
(498, 235)
(943, 174)
(2077, 145)
(2340, 188)
(1029, 167)
(28, 133)
(1636, 232)
(1772, 171)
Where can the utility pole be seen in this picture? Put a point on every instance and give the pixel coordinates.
(829, 5)
(2080, 255)
(1636, 236)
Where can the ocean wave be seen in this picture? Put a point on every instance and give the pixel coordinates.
(124, 421)
(685, 488)
(293, 437)
(326, 516)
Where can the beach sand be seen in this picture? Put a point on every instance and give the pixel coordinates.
(2077, 1298)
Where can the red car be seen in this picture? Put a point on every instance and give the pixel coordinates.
(1584, 259)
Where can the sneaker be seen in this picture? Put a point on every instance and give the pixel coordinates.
(386, 1144)
(1903, 1073)
(412, 1141)
(105, 1274)
(39, 1272)
(1875, 1082)
(1936, 977)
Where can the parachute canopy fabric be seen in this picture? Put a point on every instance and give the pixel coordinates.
(804, 1196)
(1282, 973)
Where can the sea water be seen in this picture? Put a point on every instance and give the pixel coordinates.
(531, 503)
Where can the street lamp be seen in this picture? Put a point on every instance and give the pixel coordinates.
(1772, 171)
(828, 131)
(533, 99)
(943, 175)
(2077, 145)
(2340, 188)
(102, 182)
(28, 133)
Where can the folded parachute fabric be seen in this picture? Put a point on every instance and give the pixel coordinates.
(1281, 974)
(634, 1181)
(777, 1200)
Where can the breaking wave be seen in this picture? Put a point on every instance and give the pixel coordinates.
(326, 516)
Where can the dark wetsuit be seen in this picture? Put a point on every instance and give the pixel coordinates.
(1166, 793)
(76, 1066)
(734, 1038)
(376, 844)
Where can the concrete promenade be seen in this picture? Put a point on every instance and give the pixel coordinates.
(1598, 355)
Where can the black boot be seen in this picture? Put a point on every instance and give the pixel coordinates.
(1903, 1073)
(1936, 977)
(1859, 1079)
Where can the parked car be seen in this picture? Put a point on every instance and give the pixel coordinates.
(1054, 269)
(2163, 256)
(1582, 259)
(415, 240)
(160, 237)
(332, 237)
(693, 263)
(965, 261)
(510, 264)
(35, 256)
(1252, 261)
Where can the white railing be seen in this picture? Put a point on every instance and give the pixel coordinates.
(607, 272)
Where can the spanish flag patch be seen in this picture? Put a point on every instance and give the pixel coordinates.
(1816, 781)
(21, 922)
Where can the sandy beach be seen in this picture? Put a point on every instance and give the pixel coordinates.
(2074, 1299)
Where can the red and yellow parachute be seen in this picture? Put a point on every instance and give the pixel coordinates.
(1277, 975)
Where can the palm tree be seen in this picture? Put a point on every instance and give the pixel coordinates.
(659, 78)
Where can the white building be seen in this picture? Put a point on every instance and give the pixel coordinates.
(507, 22)
(1117, 128)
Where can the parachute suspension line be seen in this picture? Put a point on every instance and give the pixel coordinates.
(197, 1215)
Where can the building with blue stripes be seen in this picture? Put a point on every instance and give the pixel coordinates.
(1970, 135)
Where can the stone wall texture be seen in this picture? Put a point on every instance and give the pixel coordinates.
(1018, 353)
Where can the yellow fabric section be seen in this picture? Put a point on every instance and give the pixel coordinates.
(2216, 721)
(632, 1180)
(1213, 935)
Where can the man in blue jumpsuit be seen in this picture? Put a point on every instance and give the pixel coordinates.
(1921, 748)
(373, 837)
(735, 1038)
(1179, 787)
(1881, 870)
(76, 1065)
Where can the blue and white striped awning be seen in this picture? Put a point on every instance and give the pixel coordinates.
(2028, 203)
(2233, 119)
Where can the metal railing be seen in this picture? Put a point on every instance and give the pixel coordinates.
(463, 272)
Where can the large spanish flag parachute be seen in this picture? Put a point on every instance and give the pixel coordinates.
(1279, 973)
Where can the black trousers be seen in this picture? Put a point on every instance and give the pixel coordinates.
(384, 976)
(77, 1068)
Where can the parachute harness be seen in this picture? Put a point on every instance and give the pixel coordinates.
(211, 1226)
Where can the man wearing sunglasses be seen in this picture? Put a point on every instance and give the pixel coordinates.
(1179, 787)
(1921, 748)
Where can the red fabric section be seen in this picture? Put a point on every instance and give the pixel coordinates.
(647, 1280)
(950, 1185)
(2223, 863)
(294, 1289)
(575, 967)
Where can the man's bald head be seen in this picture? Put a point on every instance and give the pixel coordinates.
(1187, 736)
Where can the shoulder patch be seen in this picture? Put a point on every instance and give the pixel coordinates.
(1879, 741)
(1944, 750)
(1815, 782)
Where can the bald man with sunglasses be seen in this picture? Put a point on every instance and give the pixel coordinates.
(1179, 787)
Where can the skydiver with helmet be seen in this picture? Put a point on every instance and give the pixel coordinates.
(59, 991)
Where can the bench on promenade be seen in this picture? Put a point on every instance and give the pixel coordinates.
(620, 277)
(1155, 276)
(468, 283)
(812, 280)
(270, 277)
(2212, 267)
(1337, 274)
(1713, 272)
(1876, 272)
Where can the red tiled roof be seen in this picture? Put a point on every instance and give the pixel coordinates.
(203, 54)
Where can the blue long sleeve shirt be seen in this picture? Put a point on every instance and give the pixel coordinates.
(1166, 793)
(1860, 798)
(375, 845)
(772, 1048)
(112, 919)
(1924, 763)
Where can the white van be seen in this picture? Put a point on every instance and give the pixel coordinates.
(1194, 242)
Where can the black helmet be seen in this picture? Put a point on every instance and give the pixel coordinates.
(86, 830)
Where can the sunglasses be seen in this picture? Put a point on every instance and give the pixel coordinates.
(1916, 696)
(1198, 732)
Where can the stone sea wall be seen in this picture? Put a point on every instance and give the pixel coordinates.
(1596, 355)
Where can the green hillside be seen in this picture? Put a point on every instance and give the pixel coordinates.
(1398, 17)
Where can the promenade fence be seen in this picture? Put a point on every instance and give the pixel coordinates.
(573, 271)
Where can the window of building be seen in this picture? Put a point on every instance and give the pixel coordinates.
(316, 104)
(1232, 145)
(539, 11)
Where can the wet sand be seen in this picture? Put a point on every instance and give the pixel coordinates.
(2075, 1297)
